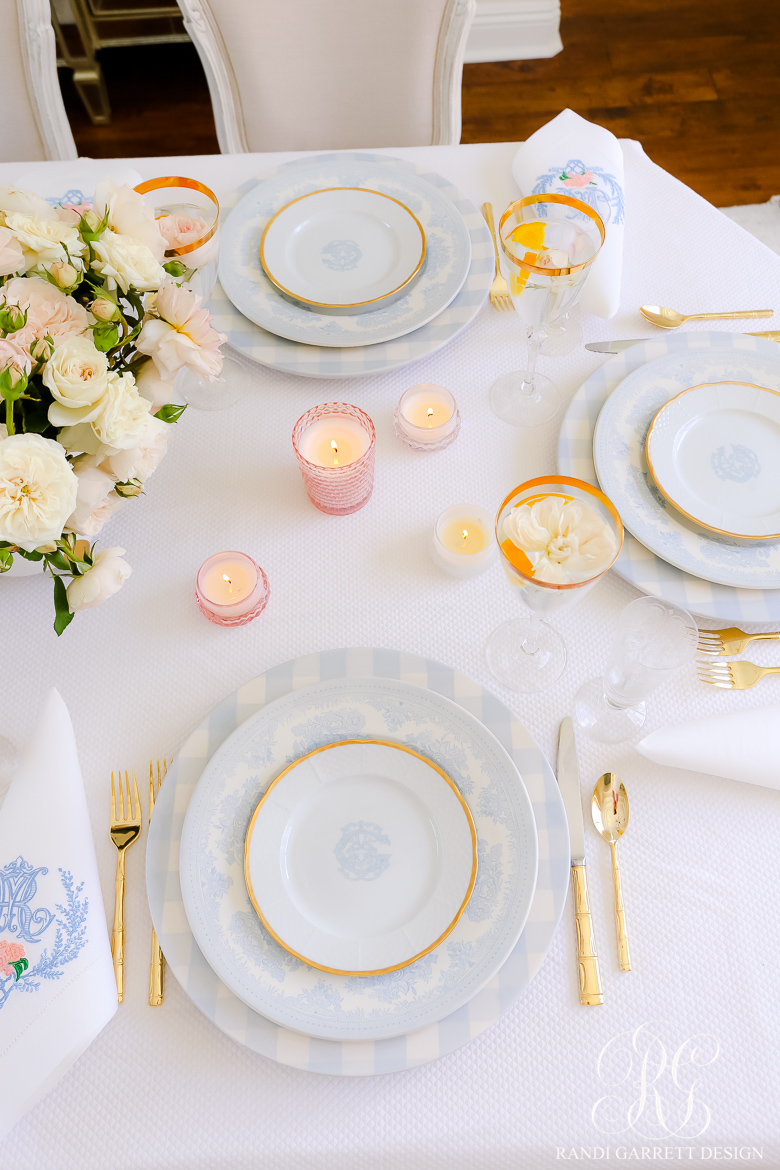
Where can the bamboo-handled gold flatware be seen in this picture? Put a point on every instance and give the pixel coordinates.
(609, 809)
(732, 676)
(125, 828)
(500, 297)
(730, 641)
(157, 962)
(670, 319)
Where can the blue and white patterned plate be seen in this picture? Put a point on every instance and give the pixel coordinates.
(211, 864)
(361, 356)
(636, 563)
(447, 259)
(359, 1057)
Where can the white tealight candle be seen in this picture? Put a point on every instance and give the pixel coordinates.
(463, 543)
(231, 589)
(333, 441)
(427, 418)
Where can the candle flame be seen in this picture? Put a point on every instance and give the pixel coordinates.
(430, 415)
(229, 582)
(465, 534)
(334, 445)
(335, 449)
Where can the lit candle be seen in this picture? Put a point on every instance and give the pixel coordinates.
(427, 418)
(334, 445)
(231, 589)
(463, 544)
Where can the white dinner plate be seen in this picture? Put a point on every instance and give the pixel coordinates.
(447, 259)
(356, 1057)
(637, 564)
(345, 249)
(226, 926)
(714, 453)
(621, 465)
(361, 857)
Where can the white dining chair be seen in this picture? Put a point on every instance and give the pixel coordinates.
(34, 124)
(332, 74)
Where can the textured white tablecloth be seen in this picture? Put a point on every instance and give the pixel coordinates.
(163, 1087)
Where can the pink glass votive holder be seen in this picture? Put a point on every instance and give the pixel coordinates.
(334, 445)
(231, 589)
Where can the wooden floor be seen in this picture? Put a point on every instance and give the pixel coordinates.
(697, 82)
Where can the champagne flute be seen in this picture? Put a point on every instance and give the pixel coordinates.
(526, 654)
(550, 242)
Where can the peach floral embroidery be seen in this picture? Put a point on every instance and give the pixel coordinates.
(11, 958)
(582, 180)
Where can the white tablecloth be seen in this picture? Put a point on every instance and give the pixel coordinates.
(163, 1087)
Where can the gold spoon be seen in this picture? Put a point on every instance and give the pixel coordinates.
(669, 319)
(609, 809)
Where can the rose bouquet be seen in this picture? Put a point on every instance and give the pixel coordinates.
(94, 326)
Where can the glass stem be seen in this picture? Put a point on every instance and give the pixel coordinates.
(535, 340)
(531, 640)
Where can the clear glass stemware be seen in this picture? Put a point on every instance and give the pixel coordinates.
(527, 654)
(550, 243)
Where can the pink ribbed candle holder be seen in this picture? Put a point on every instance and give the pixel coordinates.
(334, 444)
(214, 586)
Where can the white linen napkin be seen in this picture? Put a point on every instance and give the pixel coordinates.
(570, 156)
(74, 181)
(741, 745)
(57, 988)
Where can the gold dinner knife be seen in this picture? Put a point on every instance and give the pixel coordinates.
(619, 346)
(569, 784)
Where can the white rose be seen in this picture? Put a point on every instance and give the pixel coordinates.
(123, 261)
(103, 580)
(128, 215)
(38, 489)
(77, 376)
(96, 500)
(27, 202)
(44, 241)
(140, 461)
(123, 414)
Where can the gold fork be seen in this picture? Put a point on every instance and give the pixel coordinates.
(733, 676)
(157, 962)
(500, 297)
(730, 641)
(125, 828)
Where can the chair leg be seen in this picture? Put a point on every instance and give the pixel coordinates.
(76, 43)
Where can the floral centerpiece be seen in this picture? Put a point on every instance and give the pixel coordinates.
(94, 326)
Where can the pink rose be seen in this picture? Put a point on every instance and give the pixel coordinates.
(48, 311)
(180, 229)
(579, 180)
(13, 354)
(11, 254)
(9, 953)
(180, 334)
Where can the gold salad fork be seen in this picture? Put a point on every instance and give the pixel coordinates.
(125, 828)
(500, 297)
(157, 963)
(730, 641)
(733, 676)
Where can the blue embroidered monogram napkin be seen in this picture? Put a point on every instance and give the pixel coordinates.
(57, 988)
(570, 156)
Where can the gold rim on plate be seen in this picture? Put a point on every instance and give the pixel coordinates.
(472, 881)
(665, 494)
(330, 304)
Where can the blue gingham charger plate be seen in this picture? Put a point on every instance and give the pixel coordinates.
(447, 251)
(226, 927)
(355, 1057)
(358, 360)
(636, 563)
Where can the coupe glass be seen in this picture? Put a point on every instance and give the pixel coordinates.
(526, 654)
(654, 639)
(550, 242)
(193, 206)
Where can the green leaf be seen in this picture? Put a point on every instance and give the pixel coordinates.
(6, 559)
(175, 268)
(170, 413)
(30, 556)
(105, 336)
(35, 416)
(59, 561)
(63, 617)
(19, 965)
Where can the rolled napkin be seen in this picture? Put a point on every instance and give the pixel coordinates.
(741, 745)
(57, 988)
(570, 156)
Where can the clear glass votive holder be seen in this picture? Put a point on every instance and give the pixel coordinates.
(191, 205)
(222, 575)
(462, 544)
(427, 418)
(335, 444)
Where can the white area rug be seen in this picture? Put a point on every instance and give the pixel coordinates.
(760, 219)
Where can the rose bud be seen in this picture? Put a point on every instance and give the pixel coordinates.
(65, 274)
(104, 310)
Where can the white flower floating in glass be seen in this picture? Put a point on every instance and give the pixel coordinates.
(94, 327)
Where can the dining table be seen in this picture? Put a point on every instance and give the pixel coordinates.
(681, 1062)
